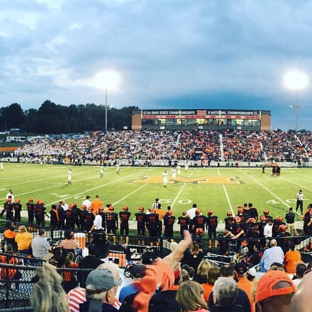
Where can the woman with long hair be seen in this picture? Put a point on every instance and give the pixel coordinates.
(190, 297)
(48, 294)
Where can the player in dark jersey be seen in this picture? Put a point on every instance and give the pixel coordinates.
(212, 224)
(199, 221)
(111, 220)
(89, 216)
(124, 217)
(152, 226)
(141, 224)
(54, 218)
(169, 220)
(17, 207)
(184, 222)
(8, 209)
(30, 206)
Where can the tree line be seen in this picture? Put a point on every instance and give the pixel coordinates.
(53, 118)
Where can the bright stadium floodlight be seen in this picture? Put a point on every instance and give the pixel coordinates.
(108, 80)
(295, 80)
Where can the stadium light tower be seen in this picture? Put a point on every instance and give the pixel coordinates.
(295, 80)
(108, 80)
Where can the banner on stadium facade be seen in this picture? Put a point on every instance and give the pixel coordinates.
(201, 114)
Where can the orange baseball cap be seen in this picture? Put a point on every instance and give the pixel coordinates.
(274, 283)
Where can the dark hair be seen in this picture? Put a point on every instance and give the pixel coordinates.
(92, 249)
(41, 231)
(227, 270)
(68, 235)
(300, 269)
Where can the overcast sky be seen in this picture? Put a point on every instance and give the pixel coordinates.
(169, 54)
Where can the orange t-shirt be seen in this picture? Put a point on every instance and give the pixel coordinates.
(207, 290)
(246, 286)
(291, 258)
(96, 205)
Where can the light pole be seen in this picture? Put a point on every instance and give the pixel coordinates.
(105, 110)
(296, 107)
(296, 80)
(107, 80)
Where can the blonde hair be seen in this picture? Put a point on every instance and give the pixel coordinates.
(48, 294)
(22, 229)
(203, 269)
(190, 296)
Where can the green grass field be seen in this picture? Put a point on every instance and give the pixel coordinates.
(219, 189)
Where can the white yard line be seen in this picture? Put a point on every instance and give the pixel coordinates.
(267, 189)
(138, 189)
(226, 195)
(177, 196)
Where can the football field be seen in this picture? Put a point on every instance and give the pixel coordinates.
(220, 189)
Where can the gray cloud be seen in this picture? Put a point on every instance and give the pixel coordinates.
(168, 53)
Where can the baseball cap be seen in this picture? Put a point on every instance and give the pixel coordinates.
(100, 280)
(274, 283)
(252, 272)
(241, 268)
(138, 270)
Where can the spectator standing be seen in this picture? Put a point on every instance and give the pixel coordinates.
(87, 202)
(290, 221)
(96, 204)
(10, 194)
(299, 202)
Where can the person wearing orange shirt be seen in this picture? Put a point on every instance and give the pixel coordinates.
(291, 259)
(243, 283)
(96, 205)
(161, 214)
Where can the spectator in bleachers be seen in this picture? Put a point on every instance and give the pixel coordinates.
(40, 246)
(9, 236)
(273, 292)
(271, 255)
(190, 297)
(23, 240)
(241, 298)
(88, 262)
(48, 294)
(69, 277)
(291, 259)
(213, 275)
(201, 275)
(225, 294)
(301, 269)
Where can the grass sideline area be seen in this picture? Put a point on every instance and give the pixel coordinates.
(215, 188)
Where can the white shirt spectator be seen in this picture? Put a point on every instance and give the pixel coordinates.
(98, 222)
(267, 231)
(271, 255)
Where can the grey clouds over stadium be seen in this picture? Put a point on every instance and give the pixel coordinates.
(168, 54)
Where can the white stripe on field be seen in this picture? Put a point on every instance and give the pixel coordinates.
(176, 198)
(226, 195)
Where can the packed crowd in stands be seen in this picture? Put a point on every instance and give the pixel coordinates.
(185, 279)
(151, 146)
